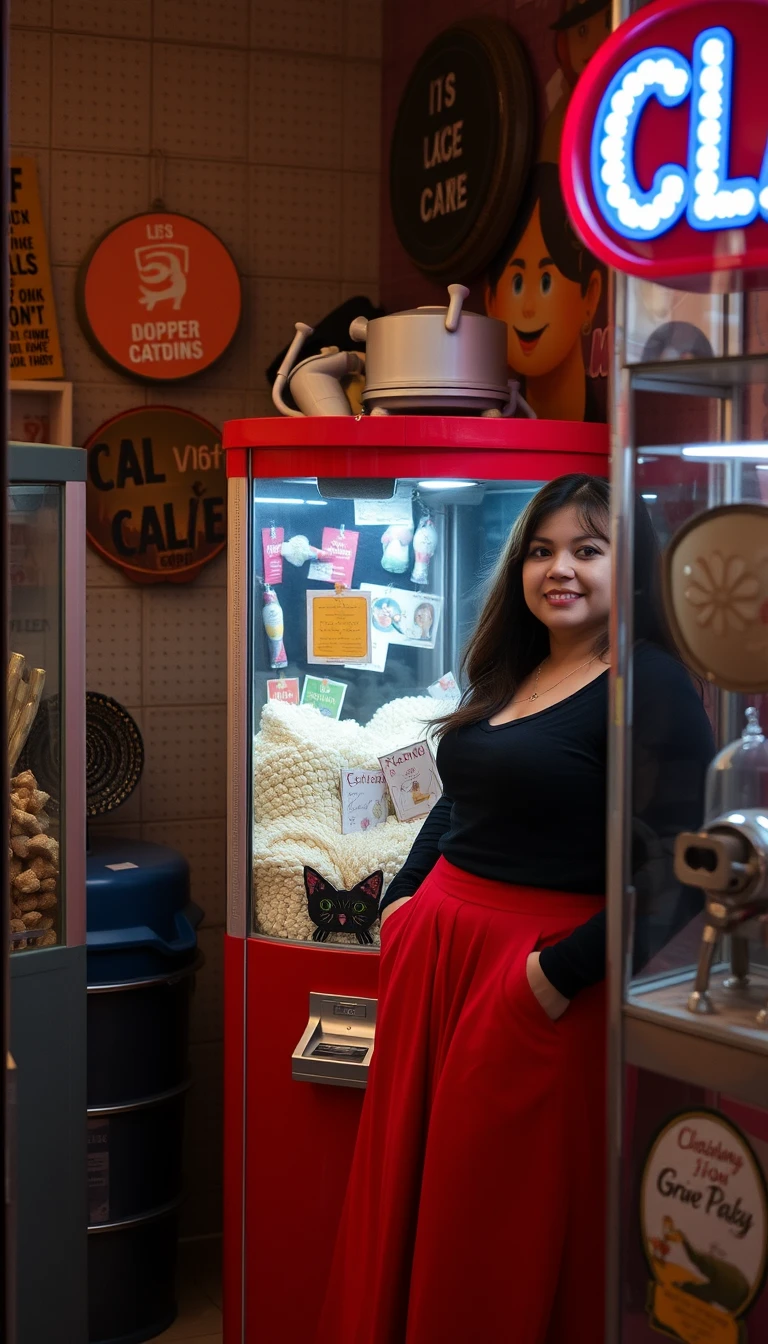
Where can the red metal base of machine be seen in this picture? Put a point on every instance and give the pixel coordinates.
(288, 1145)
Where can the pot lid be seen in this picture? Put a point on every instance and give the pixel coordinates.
(432, 310)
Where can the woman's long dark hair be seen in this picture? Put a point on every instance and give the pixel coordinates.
(509, 641)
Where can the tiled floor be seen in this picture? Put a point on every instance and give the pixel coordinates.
(199, 1318)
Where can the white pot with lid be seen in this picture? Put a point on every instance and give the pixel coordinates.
(434, 358)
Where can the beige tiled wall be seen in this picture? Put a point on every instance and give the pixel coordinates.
(266, 117)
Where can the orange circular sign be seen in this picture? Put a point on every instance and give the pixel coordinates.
(159, 297)
(156, 494)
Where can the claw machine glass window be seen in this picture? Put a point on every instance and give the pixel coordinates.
(420, 550)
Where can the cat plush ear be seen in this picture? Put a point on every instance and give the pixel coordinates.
(371, 886)
(314, 884)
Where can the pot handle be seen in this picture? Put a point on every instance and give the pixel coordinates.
(358, 330)
(458, 293)
(516, 402)
(291, 355)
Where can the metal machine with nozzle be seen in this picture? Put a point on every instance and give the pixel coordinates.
(728, 860)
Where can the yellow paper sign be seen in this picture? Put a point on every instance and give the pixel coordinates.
(338, 628)
(33, 332)
(689, 1319)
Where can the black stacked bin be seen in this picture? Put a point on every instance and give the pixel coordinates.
(142, 958)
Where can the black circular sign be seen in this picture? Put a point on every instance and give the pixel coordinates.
(462, 148)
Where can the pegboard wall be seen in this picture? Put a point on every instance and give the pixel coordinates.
(266, 115)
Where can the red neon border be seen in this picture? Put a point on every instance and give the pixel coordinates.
(576, 184)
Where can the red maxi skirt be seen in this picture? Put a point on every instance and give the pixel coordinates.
(475, 1207)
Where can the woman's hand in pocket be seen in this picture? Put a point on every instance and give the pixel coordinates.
(552, 1001)
(390, 909)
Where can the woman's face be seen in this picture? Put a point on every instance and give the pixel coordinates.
(567, 576)
(423, 618)
(585, 38)
(544, 311)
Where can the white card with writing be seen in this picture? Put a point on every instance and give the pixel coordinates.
(363, 799)
(379, 651)
(412, 779)
(383, 513)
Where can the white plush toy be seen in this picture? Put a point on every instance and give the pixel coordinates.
(298, 755)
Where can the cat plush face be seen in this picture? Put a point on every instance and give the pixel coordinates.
(333, 911)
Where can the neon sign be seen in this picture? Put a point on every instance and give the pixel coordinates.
(663, 110)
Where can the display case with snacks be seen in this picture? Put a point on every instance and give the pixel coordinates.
(45, 690)
(358, 550)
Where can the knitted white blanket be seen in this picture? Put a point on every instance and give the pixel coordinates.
(298, 755)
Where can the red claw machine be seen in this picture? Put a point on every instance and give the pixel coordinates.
(399, 518)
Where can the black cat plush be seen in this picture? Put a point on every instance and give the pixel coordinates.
(335, 911)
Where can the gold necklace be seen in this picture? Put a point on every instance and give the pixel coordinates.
(572, 673)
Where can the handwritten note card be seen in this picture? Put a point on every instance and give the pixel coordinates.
(363, 799)
(412, 779)
(338, 627)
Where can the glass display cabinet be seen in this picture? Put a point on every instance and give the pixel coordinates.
(330, 776)
(46, 691)
(688, 935)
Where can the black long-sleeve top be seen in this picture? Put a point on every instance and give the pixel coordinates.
(525, 803)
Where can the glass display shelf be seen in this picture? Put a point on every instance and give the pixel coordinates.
(720, 458)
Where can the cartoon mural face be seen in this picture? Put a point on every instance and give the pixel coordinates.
(583, 39)
(546, 287)
(581, 28)
(543, 309)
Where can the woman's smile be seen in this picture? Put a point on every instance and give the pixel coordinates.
(561, 598)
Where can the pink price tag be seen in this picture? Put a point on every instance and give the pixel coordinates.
(271, 542)
(340, 549)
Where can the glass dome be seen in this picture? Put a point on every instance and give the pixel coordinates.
(738, 776)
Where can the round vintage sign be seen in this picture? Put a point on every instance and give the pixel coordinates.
(716, 595)
(156, 495)
(462, 148)
(159, 297)
(704, 1221)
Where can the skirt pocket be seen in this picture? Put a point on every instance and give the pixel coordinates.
(393, 923)
(520, 998)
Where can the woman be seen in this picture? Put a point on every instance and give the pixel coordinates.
(476, 1200)
(546, 287)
